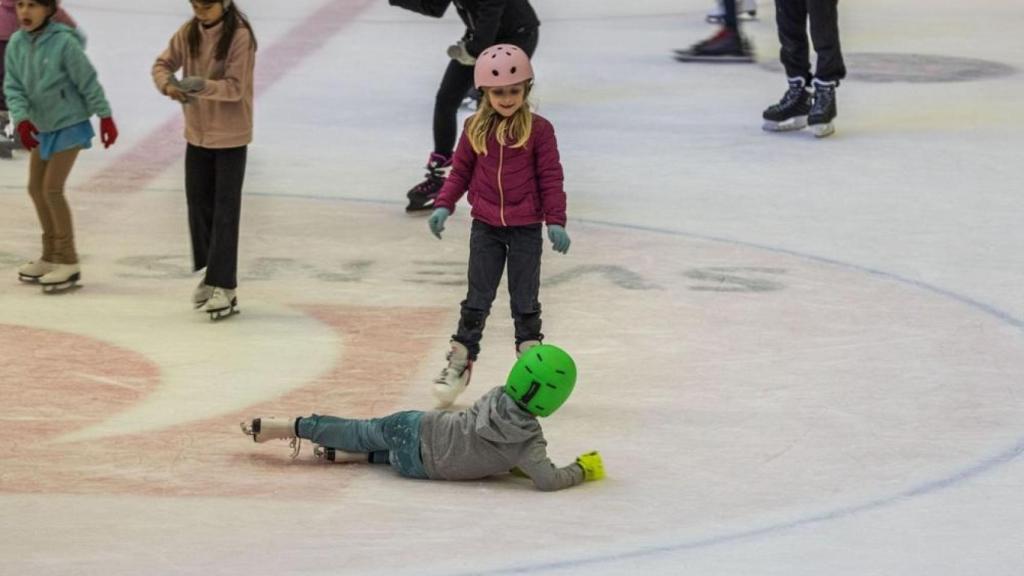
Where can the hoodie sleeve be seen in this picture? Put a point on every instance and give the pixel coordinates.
(170, 61)
(463, 164)
(550, 177)
(83, 75)
(545, 475)
(238, 70)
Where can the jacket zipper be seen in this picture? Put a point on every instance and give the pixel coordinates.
(501, 191)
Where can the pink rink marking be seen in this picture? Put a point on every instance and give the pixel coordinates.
(136, 168)
(198, 458)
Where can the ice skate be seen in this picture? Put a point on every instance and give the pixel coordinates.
(273, 428)
(339, 456)
(526, 345)
(823, 111)
(201, 295)
(8, 141)
(791, 111)
(61, 278)
(455, 376)
(746, 9)
(422, 196)
(34, 270)
(725, 46)
(222, 304)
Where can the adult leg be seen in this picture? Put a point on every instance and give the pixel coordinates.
(526, 243)
(456, 81)
(487, 253)
(824, 16)
(36, 173)
(229, 176)
(791, 21)
(55, 176)
(200, 186)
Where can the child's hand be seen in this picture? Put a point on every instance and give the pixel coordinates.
(108, 132)
(25, 131)
(559, 238)
(174, 93)
(436, 221)
(593, 467)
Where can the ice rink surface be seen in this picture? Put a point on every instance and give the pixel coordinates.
(797, 357)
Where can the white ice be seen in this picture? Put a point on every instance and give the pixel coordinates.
(797, 357)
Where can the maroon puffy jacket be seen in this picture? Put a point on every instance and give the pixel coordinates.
(509, 186)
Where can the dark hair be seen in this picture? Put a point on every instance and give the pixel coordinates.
(233, 17)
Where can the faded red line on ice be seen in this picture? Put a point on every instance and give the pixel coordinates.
(136, 168)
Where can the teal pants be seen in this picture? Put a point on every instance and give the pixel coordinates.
(397, 434)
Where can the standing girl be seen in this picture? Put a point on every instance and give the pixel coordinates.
(507, 158)
(217, 52)
(52, 90)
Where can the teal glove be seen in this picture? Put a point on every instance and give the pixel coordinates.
(192, 84)
(593, 467)
(436, 221)
(559, 238)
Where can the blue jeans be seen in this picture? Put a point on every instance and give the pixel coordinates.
(397, 434)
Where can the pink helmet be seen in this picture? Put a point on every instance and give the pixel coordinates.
(502, 65)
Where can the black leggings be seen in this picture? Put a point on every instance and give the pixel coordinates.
(458, 79)
(791, 17)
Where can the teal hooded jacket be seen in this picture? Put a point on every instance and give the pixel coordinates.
(50, 81)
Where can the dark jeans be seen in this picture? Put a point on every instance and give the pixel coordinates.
(3, 54)
(458, 79)
(791, 18)
(213, 187)
(490, 248)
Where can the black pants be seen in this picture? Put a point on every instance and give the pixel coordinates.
(457, 80)
(489, 249)
(213, 186)
(791, 18)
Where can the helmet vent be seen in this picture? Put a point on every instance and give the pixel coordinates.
(513, 71)
(562, 372)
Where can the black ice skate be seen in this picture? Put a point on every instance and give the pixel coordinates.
(222, 304)
(823, 112)
(61, 278)
(745, 9)
(791, 112)
(422, 196)
(725, 46)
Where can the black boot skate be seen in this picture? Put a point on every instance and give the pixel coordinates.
(422, 196)
(823, 112)
(791, 112)
(725, 46)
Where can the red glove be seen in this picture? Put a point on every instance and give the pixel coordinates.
(108, 132)
(25, 130)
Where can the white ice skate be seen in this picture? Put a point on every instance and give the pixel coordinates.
(455, 376)
(273, 428)
(339, 456)
(222, 304)
(34, 270)
(201, 294)
(526, 345)
(61, 278)
(744, 9)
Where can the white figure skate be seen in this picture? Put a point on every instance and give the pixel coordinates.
(273, 428)
(222, 304)
(61, 278)
(454, 378)
(34, 270)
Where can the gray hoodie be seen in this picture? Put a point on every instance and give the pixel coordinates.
(489, 438)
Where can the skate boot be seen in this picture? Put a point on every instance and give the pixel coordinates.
(422, 196)
(61, 278)
(222, 303)
(744, 9)
(526, 345)
(35, 270)
(7, 140)
(725, 46)
(201, 295)
(273, 428)
(791, 112)
(455, 376)
(339, 456)
(823, 112)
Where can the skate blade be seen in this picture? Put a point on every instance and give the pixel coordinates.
(745, 16)
(29, 279)
(823, 130)
(223, 313)
(798, 123)
(61, 287)
(684, 56)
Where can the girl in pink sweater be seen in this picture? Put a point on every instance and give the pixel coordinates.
(507, 159)
(217, 52)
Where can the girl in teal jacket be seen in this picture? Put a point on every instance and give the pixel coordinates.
(52, 92)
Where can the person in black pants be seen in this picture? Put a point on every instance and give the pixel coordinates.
(800, 106)
(488, 22)
(727, 45)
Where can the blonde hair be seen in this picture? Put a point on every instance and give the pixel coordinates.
(516, 128)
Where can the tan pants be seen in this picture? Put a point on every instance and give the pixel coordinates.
(46, 180)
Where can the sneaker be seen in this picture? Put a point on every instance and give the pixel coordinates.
(201, 294)
(455, 376)
(273, 428)
(422, 196)
(790, 113)
(823, 111)
(35, 270)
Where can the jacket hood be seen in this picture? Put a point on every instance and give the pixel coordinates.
(504, 422)
(54, 29)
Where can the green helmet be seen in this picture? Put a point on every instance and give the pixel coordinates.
(542, 379)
